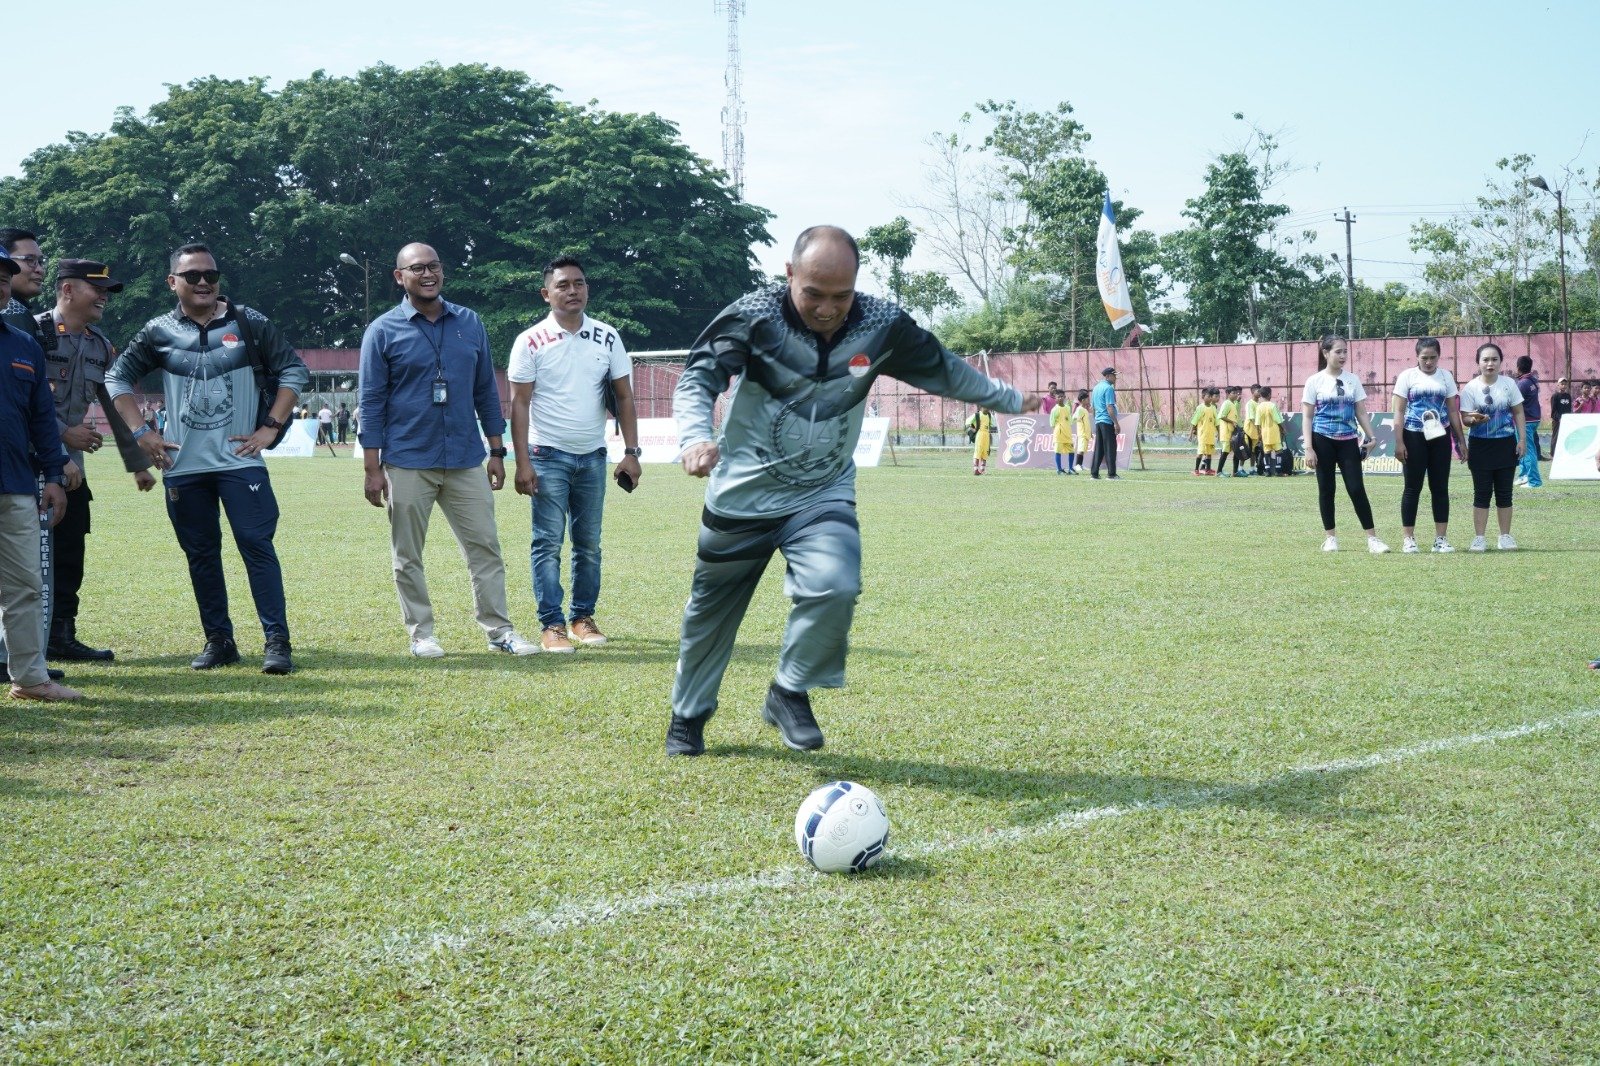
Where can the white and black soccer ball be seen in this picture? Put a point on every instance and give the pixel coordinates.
(842, 827)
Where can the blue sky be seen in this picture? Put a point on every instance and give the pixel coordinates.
(1397, 109)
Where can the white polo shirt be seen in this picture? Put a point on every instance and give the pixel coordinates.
(566, 370)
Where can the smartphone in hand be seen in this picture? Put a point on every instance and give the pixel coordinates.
(623, 480)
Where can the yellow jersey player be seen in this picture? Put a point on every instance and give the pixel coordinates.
(1203, 430)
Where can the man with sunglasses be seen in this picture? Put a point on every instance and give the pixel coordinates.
(216, 357)
(427, 384)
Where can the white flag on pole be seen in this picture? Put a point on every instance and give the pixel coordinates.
(1108, 270)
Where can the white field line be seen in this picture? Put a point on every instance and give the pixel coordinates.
(582, 914)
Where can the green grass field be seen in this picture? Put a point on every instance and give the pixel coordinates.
(1121, 729)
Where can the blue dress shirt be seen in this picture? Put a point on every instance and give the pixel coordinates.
(402, 354)
(28, 430)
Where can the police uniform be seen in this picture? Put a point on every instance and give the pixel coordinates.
(76, 364)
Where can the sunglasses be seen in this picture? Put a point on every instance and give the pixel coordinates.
(195, 277)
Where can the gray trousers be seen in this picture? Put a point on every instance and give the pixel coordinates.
(21, 589)
(468, 505)
(45, 550)
(822, 549)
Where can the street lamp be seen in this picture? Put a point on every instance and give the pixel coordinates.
(366, 284)
(1538, 182)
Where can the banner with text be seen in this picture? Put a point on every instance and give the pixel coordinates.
(1027, 441)
(1574, 453)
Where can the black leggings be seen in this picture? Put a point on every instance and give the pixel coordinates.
(1346, 455)
(1426, 459)
(1493, 482)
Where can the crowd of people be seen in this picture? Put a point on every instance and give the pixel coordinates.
(781, 479)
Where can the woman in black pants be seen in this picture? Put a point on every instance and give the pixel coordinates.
(1428, 408)
(1333, 404)
(1491, 406)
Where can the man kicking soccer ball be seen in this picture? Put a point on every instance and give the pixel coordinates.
(782, 472)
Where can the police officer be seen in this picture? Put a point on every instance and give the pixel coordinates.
(77, 356)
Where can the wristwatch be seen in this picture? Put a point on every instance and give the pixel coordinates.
(271, 423)
(635, 452)
(497, 453)
(59, 479)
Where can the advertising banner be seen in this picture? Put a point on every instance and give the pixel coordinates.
(1574, 454)
(300, 442)
(1026, 441)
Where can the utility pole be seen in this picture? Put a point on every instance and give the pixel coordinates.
(1561, 244)
(733, 107)
(1349, 275)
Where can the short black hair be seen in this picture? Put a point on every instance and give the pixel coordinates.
(1424, 343)
(1266, 390)
(1524, 364)
(563, 261)
(811, 234)
(10, 236)
(1083, 394)
(1485, 346)
(188, 249)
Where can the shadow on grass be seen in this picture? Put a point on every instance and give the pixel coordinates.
(1039, 796)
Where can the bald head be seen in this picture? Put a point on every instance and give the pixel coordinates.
(831, 241)
(415, 252)
(822, 278)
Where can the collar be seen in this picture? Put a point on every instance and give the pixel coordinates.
(178, 314)
(851, 320)
(411, 312)
(556, 327)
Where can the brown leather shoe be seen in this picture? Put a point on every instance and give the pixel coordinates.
(49, 692)
(554, 638)
(584, 631)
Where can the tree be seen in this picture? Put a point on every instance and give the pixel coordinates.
(891, 243)
(501, 181)
(927, 292)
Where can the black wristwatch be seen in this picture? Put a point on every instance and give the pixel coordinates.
(635, 452)
(497, 453)
(271, 423)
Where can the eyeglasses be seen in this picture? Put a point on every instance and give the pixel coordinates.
(40, 261)
(195, 277)
(418, 270)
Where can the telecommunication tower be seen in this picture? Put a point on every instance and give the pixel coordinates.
(733, 108)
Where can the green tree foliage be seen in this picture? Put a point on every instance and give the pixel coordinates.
(891, 244)
(502, 179)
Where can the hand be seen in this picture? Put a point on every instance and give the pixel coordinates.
(143, 480)
(1311, 459)
(74, 475)
(1522, 446)
(497, 474)
(155, 449)
(255, 443)
(1030, 404)
(1465, 446)
(1400, 449)
(81, 438)
(526, 481)
(55, 501)
(700, 459)
(376, 487)
(630, 466)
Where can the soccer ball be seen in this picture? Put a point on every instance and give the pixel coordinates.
(842, 827)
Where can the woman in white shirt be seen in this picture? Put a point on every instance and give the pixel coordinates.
(1491, 407)
(1426, 410)
(1334, 410)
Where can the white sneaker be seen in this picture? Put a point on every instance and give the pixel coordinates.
(426, 648)
(1331, 544)
(1506, 543)
(1376, 546)
(1520, 482)
(1442, 546)
(1410, 546)
(1479, 544)
(513, 643)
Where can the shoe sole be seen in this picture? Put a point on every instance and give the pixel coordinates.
(415, 654)
(519, 654)
(213, 666)
(277, 671)
(558, 651)
(593, 642)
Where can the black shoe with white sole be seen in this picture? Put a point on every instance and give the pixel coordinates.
(791, 713)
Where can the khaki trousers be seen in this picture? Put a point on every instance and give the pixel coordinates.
(464, 497)
(21, 595)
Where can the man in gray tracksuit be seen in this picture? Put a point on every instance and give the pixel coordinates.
(783, 474)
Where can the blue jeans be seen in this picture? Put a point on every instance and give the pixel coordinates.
(193, 503)
(1529, 467)
(572, 492)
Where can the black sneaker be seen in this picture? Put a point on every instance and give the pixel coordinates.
(219, 651)
(76, 651)
(276, 660)
(55, 675)
(791, 713)
(686, 736)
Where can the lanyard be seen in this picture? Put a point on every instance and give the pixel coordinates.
(436, 345)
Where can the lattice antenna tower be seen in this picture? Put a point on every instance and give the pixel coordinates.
(733, 107)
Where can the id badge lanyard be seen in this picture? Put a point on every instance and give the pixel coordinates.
(441, 388)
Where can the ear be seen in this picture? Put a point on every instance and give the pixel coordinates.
(788, 271)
